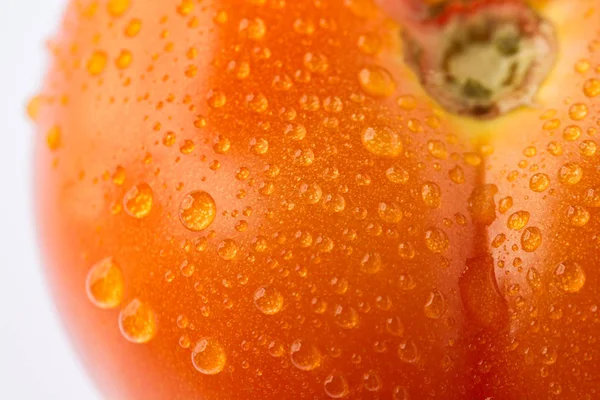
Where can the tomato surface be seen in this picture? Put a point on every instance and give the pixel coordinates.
(260, 199)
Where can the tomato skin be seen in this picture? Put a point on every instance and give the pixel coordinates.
(292, 75)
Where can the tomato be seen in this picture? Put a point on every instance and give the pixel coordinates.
(277, 199)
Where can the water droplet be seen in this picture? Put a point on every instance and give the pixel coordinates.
(390, 212)
(371, 381)
(124, 59)
(257, 103)
(227, 249)
(571, 133)
(208, 356)
(304, 355)
(276, 348)
(133, 28)
(334, 203)
(533, 278)
(436, 240)
(376, 81)
(187, 269)
(397, 175)
(268, 300)
(137, 322)
(431, 194)
(336, 385)
(371, 263)
(570, 173)
(409, 352)
(505, 204)
(97, 63)
(216, 99)
(254, 29)
(539, 182)
(382, 141)
(400, 393)
(569, 277)
(345, 317)
(406, 250)
(221, 144)
(457, 175)
(578, 216)
(259, 146)
(394, 326)
(138, 201)
(591, 87)
(116, 8)
(435, 306)
(104, 284)
(531, 239)
(316, 62)
(481, 204)
(518, 220)
(578, 111)
(197, 211)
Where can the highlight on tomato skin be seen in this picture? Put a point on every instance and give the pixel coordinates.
(312, 199)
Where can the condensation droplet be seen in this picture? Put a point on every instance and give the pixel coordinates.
(336, 385)
(197, 211)
(345, 317)
(227, 249)
(435, 307)
(376, 81)
(531, 239)
(436, 240)
(137, 322)
(138, 201)
(208, 356)
(304, 355)
(570, 173)
(539, 182)
(569, 277)
(518, 220)
(382, 141)
(431, 194)
(268, 300)
(104, 284)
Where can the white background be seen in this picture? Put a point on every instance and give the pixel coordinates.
(36, 359)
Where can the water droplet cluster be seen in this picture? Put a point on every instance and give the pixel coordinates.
(264, 197)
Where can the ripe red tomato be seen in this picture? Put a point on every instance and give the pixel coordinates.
(300, 199)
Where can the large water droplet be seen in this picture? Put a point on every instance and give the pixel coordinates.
(197, 210)
(137, 322)
(104, 284)
(382, 141)
(304, 355)
(268, 300)
(569, 277)
(208, 356)
(336, 385)
(138, 201)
